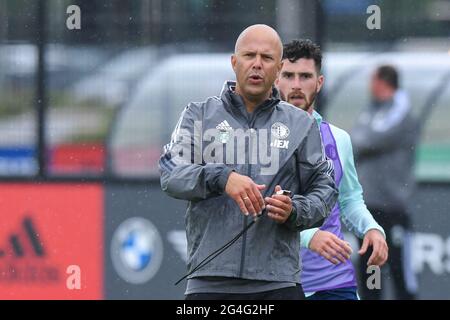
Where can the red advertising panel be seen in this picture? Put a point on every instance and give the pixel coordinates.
(78, 158)
(51, 241)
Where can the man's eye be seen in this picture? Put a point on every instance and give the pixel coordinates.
(287, 76)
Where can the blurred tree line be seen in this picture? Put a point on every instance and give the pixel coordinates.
(159, 21)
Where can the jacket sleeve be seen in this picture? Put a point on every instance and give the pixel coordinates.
(318, 192)
(306, 237)
(184, 175)
(354, 213)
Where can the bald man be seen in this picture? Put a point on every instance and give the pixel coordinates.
(230, 157)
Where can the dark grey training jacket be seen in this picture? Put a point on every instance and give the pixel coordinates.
(384, 141)
(196, 165)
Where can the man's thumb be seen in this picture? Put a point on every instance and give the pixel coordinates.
(277, 188)
(364, 246)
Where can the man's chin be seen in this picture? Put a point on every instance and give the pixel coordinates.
(257, 92)
(300, 106)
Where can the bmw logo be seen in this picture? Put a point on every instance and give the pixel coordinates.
(136, 250)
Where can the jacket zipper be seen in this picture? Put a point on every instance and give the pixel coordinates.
(249, 172)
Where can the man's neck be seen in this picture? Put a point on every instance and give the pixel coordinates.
(252, 104)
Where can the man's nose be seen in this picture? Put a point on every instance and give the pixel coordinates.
(296, 83)
(257, 64)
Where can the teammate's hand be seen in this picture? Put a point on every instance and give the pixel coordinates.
(380, 249)
(329, 246)
(246, 193)
(279, 207)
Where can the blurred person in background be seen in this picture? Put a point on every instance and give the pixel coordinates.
(328, 273)
(384, 140)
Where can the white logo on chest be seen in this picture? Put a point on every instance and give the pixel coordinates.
(280, 131)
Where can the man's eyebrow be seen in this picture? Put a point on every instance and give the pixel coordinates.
(271, 54)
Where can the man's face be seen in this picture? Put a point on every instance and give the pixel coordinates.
(257, 64)
(299, 83)
(379, 89)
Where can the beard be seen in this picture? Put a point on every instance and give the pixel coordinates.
(294, 97)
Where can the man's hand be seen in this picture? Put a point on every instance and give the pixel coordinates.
(246, 193)
(279, 207)
(329, 246)
(380, 248)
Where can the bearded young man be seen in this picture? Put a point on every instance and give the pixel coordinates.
(327, 273)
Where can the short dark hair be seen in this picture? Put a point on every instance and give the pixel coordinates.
(389, 75)
(297, 49)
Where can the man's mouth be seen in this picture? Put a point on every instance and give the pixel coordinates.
(296, 98)
(255, 79)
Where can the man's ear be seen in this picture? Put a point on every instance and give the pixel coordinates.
(320, 82)
(280, 67)
(233, 62)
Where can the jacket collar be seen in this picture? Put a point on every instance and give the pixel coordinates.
(229, 96)
(317, 116)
